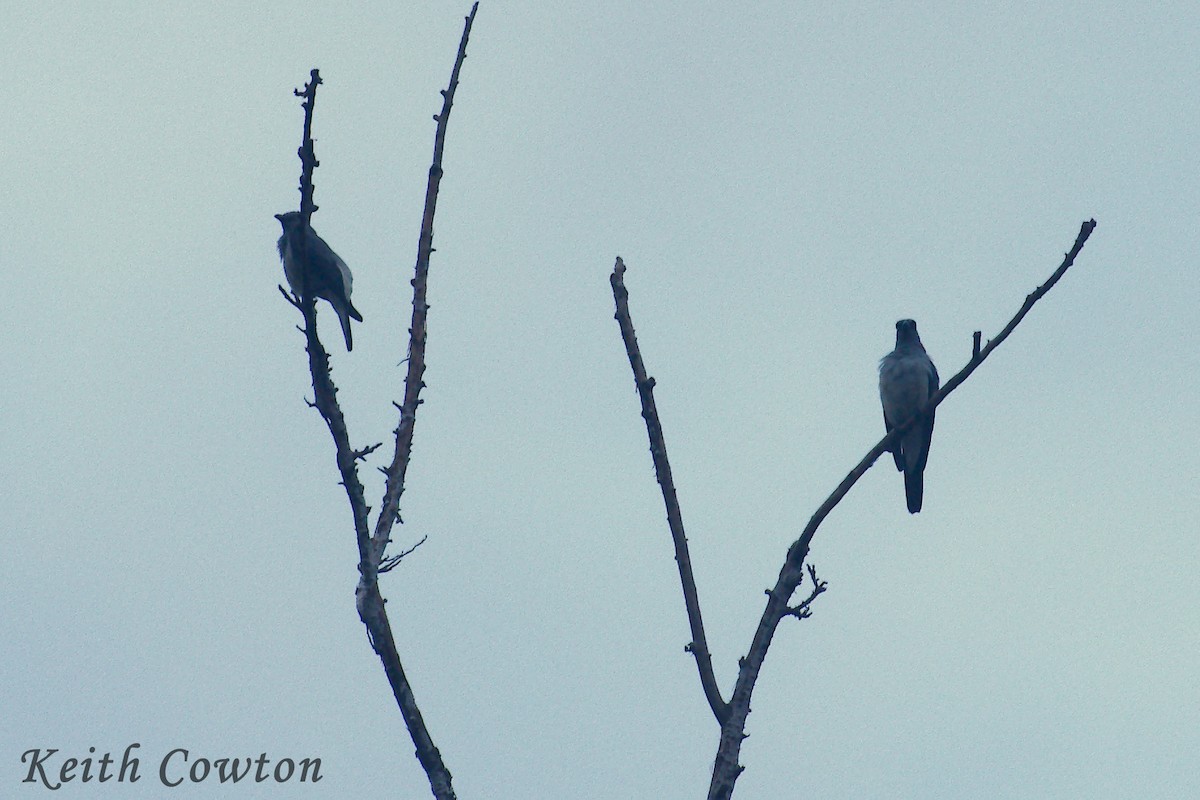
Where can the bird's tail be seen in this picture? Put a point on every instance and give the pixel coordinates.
(344, 318)
(914, 488)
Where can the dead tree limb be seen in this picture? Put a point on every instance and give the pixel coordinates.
(413, 383)
(726, 768)
(372, 549)
(369, 600)
(324, 391)
(732, 716)
(698, 646)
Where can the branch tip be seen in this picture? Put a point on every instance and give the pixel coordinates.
(698, 646)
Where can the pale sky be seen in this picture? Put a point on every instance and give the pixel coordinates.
(784, 183)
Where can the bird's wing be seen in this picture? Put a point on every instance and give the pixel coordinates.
(884, 389)
(344, 271)
(333, 272)
(926, 424)
(934, 385)
(347, 284)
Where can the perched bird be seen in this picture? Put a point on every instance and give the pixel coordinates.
(907, 379)
(329, 275)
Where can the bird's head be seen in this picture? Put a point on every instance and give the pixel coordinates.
(289, 220)
(906, 332)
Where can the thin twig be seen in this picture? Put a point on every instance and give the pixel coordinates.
(698, 647)
(291, 298)
(391, 562)
(307, 152)
(803, 609)
(363, 452)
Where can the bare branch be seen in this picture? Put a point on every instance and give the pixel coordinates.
(800, 548)
(726, 768)
(369, 603)
(366, 451)
(324, 391)
(391, 562)
(413, 382)
(307, 153)
(372, 562)
(803, 610)
(698, 647)
(291, 298)
(368, 600)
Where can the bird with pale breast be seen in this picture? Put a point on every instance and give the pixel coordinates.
(907, 379)
(306, 256)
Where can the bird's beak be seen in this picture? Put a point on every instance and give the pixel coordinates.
(279, 217)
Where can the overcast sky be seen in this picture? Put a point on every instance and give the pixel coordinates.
(784, 183)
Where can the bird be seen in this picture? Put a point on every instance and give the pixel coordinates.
(305, 254)
(907, 379)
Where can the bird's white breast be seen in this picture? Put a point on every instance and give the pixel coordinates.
(291, 268)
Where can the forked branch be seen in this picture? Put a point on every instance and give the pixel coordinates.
(732, 715)
(726, 768)
(371, 549)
